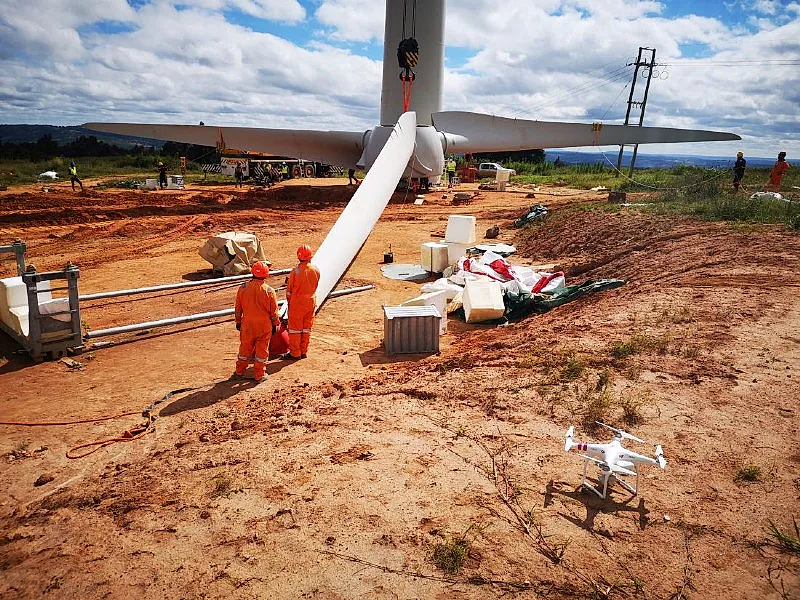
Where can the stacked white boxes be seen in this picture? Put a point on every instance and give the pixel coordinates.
(459, 235)
(456, 251)
(434, 257)
(460, 229)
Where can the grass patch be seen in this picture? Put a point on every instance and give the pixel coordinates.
(624, 349)
(604, 379)
(678, 316)
(632, 409)
(596, 402)
(748, 474)
(785, 540)
(222, 484)
(572, 370)
(450, 556)
(707, 194)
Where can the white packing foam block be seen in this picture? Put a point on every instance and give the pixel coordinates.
(437, 299)
(483, 301)
(461, 229)
(433, 257)
(456, 250)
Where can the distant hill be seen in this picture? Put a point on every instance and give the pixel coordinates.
(19, 134)
(652, 161)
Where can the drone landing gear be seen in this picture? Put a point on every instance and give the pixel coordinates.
(604, 476)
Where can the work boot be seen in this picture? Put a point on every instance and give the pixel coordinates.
(264, 377)
(288, 356)
(236, 377)
(304, 356)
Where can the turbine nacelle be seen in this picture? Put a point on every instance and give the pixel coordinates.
(428, 159)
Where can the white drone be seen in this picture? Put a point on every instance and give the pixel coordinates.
(613, 460)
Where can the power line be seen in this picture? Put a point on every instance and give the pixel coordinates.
(718, 63)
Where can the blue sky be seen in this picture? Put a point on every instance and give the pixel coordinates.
(728, 65)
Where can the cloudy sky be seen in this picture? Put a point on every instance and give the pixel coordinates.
(316, 64)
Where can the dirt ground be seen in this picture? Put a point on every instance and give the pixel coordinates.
(352, 474)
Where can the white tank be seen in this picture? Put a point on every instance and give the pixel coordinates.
(426, 97)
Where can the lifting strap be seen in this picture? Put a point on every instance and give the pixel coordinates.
(408, 55)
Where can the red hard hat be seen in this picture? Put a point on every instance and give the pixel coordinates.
(260, 270)
(304, 252)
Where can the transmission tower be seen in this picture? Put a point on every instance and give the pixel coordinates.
(649, 66)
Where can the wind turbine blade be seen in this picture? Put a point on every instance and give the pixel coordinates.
(354, 225)
(475, 132)
(340, 148)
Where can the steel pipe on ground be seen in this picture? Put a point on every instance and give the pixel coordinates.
(197, 317)
(173, 286)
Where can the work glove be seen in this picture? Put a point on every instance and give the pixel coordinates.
(238, 327)
(274, 329)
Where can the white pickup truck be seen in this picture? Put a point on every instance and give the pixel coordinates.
(489, 169)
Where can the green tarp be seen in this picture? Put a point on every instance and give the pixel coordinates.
(521, 305)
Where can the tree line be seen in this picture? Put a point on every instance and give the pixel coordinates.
(46, 148)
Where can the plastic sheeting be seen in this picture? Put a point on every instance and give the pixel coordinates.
(537, 211)
(521, 303)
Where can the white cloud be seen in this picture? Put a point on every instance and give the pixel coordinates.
(353, 20)
(767, 7)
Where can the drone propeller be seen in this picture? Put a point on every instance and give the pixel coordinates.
(662, 462)
(623, 434)
(569, 443)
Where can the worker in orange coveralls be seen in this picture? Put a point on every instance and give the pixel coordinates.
(780, 168)
(301, 295)
(257, 319)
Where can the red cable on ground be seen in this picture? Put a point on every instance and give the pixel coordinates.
(128, 436)
(48, 423)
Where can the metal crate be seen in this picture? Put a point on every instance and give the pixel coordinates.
(411, 329)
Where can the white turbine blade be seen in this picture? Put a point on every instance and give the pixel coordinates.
(340, 148)
(354, 225)
(475, 132)
(568, 439)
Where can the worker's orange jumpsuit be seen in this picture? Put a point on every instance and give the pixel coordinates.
(256, 312)
(301, 294)
(776, 175)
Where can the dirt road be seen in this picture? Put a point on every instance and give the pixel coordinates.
(352, 474)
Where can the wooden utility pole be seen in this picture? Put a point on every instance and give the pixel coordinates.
(641, 105)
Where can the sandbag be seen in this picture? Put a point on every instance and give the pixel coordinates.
(279, 342)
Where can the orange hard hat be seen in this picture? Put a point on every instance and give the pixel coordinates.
(304, 252)
(260, 270)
